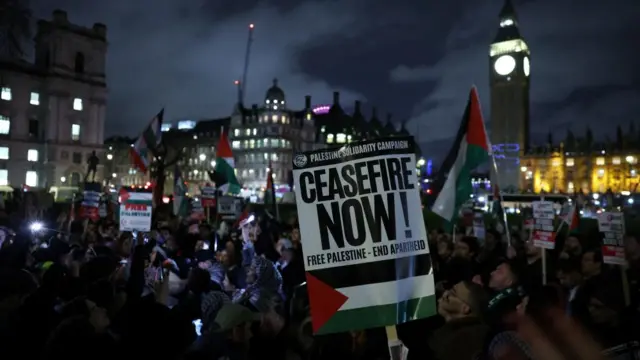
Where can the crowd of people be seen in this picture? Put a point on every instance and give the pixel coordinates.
(78, 289)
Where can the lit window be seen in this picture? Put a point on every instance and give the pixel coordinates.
(266, 156)
(341, 138)
(330, 138)
(255, 131)
(600, 172)
(247, 132)
(274, 118)
(75, 132)
(32, 155)
(5, 94)
(616, 160)
(35, 98)
(252, 144)
(5, 125)
(274, 157)
(284, 119)
(235, 144)
(570, 162)
(308, 116)
(31, 179)
(275, 143)
(4, 153)
(634, 173)
(77, 104)
(555, 162)
(4, 177)
(600, 161)
(245, 144)
(236, 132)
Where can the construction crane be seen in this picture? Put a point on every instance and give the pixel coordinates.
(242, 84)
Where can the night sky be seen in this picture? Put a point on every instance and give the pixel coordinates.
(415, 59)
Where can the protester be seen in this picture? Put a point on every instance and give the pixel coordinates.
(189, 289)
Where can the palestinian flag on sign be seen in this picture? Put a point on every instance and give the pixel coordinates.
(149, 140)
(225, 167)
(470, 150)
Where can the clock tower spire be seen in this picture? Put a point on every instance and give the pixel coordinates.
(509, 59)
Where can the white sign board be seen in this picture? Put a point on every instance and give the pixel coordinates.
(135, 211)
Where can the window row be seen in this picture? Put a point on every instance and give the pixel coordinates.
(32, 154)
(31, 178)
(34, 98)
(34, 128)
(266, 143)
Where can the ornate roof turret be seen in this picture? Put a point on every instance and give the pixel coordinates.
(375, 124)
(275, 95)
(389, 126)
(508, 24)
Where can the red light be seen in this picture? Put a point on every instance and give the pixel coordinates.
(428, 191)
(250, 26)
(237, 82)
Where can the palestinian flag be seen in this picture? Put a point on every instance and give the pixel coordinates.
(149, 140)
(573, 218)
(180, 201)
(470, 150)
(225, 167)
(497, 210)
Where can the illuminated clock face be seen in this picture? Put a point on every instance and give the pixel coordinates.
(504, 65)
(526, 66)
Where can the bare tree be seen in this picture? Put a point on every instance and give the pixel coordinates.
(164, 157)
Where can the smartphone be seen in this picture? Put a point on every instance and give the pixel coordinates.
(198, 325)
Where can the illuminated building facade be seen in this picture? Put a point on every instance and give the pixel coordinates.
(509, 82)
(269, 133)
(52, 110)
(577, 166)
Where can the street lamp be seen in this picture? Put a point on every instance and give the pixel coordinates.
(213, 163)
(421, 162)
(203, 157)
(109, 157)
(63, 179)
(523, 169)
(114, 175)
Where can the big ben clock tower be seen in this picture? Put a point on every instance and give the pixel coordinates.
(509, 60)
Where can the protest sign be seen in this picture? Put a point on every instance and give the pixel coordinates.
(363, 234)
(479, 230)
(135, 211)
(208, 196)
(229, 207)
(543, 232)
(611, 224)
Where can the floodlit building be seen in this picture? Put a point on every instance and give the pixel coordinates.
(579, 165)
(52, 110)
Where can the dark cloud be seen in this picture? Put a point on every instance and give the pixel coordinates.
(583, 67)
(185, 55)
